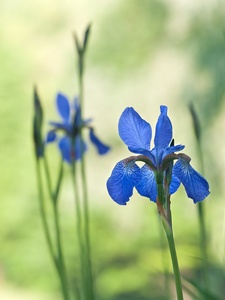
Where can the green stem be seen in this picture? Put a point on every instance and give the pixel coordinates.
(173, 255)
(163, 204)
(87, 232)
(84, 188)
(79, 227)
(43, 214)
(60, 257)
(62, 269)
(203, 241)
(164, 257)
(201, 217)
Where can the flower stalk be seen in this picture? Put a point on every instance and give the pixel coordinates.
(85, 241)
(167, 225)
(61, 267)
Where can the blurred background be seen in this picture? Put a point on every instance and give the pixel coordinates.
(141, 54)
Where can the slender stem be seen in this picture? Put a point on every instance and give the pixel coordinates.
(202, 226)
(173, 254)
(201, 212)
(84, 188)
(87, 232)
(48, 177)
(62, 268)
(203, 243)
(54, 197)
(79, 226)
(164, 257)
(43, 214)
(165, 213)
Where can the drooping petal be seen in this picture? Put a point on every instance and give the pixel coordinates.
(135, 132)
(79, 148)
(65, 148)
(63, 107)
(51, 136)
(163, 132)
(174, 185)
(122, 181)
(101, 148)
(197, 188)
(147, 186)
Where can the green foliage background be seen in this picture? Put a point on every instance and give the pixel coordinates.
(141, 54)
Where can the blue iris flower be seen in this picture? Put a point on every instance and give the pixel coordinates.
(136, 133)
(71, 144)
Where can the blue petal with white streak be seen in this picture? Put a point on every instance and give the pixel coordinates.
(125, 176)
(197, 188)
(147, 186)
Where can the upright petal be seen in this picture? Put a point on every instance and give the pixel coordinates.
(172, 149)
(147, 186)
(122, 181)
(63, 107)
(77, 118)
(163, 132)
(135, 132)
(101, 148)
(197, 188)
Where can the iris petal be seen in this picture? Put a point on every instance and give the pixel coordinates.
(65, 148)
(101, 148)
(172, 149)
(143, 152)
(77, 120)
(147, 186)
(61, 126)
(163, 132)
(122, 181)
(134, 131)
(51, 136)
(197, 188)
(174, 185)
(63, 107)
(80, 147)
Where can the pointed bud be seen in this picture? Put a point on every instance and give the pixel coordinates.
(77, 44)
(86, 37)
(82, 48)
(37, 125)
